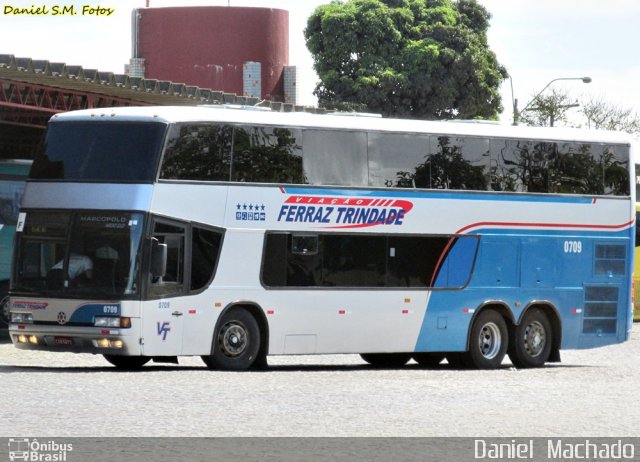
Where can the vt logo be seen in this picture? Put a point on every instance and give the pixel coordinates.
(164, 329)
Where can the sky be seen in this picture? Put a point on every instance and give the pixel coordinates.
(536, 40)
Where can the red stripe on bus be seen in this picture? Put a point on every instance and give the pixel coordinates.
(484, 224)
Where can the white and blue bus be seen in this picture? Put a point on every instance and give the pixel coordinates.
(159, 232)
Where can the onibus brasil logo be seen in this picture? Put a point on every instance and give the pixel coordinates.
(344, 212)
(30, 449)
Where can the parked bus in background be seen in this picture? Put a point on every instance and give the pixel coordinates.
(159, 232)
(13, 173)
(636, 268)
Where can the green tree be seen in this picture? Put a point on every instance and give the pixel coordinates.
(410, 58)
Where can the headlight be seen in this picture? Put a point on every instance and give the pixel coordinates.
(108, 343)
(22, 318)
(110, 321)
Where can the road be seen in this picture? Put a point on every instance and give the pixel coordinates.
(591, 393)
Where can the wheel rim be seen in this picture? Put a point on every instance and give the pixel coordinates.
(234, 339)
(535, 338)
(490, 340)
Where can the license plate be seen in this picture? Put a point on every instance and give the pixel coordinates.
(63, 341)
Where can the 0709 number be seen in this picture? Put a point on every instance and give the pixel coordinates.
(110, 309)
(572, 246)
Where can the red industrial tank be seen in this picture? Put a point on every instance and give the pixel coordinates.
(208, 46)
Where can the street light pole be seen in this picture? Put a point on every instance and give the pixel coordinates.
(516, 113)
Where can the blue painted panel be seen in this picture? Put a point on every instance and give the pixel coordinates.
(498, 263)
(518, 270)
(539, 262)
(455, 271)
(87, 313)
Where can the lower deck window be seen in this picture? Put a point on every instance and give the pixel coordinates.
(356, 260)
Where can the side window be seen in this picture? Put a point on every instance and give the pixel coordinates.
(455, 162)
(566, 168)
(521, 165)
(205, 250)
(198, 153)
(353, 260)
(395, 160)
(267, 155)
(413, 261)
(335, 157)
(173, 236)
(615, 160)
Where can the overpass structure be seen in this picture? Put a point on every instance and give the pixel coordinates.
(31, 91)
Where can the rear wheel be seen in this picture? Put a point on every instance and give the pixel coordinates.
(531, 340)
(386, 359)
(488, 341)
(236, 342)
(127, 362)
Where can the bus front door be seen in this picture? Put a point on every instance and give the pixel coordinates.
(162, 322)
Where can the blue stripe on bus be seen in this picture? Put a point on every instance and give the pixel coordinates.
(623, 232)
(445, 194)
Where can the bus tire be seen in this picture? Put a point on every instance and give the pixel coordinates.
(428, 360)
(128, 363)
(488, 341)
(236, 342)
(386, 359)
(531, 340)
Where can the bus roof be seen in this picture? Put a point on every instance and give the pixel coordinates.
(345, 121)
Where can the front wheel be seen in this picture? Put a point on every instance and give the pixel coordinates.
(236, 342)
(128, 363)
(488, 341)
(531, 340)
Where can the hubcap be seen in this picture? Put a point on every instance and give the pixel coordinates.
(490, 340)
(234, 339)
(535, 338)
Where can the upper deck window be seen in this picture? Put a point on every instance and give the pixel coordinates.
(362, 158)
(217, 152)
(99, 151)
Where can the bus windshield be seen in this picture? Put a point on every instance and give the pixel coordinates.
(108, 152)
(83, 254)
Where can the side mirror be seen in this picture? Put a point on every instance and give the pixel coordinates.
(158, 258)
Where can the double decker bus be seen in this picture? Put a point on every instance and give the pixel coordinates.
(159, 232)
